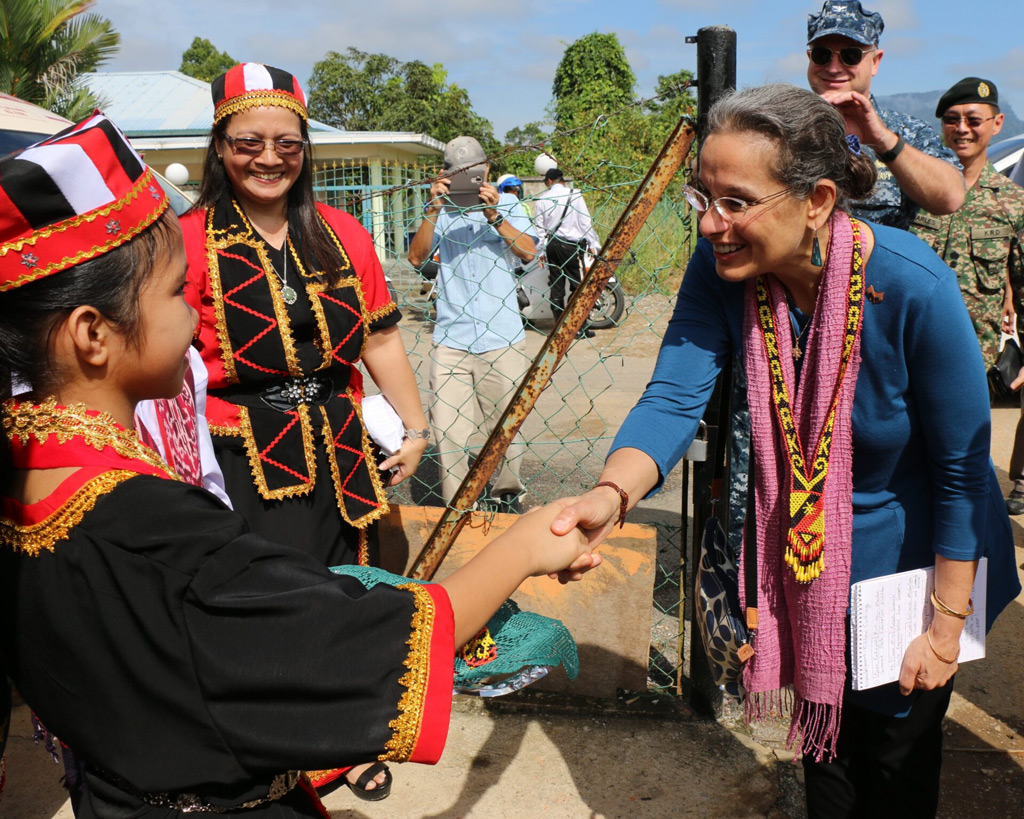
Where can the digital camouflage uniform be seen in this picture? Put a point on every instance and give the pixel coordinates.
(888, 204)
(981, 242)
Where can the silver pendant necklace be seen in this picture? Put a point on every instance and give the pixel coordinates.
(287, 293)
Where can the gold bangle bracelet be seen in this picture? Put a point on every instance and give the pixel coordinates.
(959, 615)
(931, 645)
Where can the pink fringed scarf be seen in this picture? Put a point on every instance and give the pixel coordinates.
(801, 637)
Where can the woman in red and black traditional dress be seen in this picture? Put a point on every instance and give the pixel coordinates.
(291, 296)
(192, 664)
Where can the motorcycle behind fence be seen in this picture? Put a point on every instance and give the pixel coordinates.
(533, 291)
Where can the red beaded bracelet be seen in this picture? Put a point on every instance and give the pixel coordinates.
(623, 500)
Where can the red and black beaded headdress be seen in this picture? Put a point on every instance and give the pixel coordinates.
(70, 198)
(249, 85)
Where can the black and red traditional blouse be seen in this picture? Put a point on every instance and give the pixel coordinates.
(256, 343)
(182, 656)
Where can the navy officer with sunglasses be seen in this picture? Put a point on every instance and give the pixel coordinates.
(915, 170)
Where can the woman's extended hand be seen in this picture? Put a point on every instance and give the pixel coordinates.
(405, 461)
(593, 513)
(922, 669)
(564, 556)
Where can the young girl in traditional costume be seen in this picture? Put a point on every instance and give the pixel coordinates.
(191, 664)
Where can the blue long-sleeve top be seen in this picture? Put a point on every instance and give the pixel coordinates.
(923, 481)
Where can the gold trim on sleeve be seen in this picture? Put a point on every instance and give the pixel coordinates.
(33, 539)
(412, 704)
(379, 313)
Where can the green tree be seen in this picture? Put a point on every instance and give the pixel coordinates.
(348, 90)
(673, 96)
(528, 138)
(375, 92)
(603, 131)
(592, 77)
(204, 62)
(46, 45)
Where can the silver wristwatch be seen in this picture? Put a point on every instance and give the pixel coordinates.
(413, 434)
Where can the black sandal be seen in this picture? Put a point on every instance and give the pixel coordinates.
(359, 786)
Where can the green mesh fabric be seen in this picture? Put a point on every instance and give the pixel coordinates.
(521, 638)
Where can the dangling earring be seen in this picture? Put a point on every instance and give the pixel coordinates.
(816, 250)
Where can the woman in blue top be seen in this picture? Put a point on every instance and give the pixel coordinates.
(870, 432)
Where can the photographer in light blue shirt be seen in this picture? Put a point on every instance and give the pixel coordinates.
(479, 352)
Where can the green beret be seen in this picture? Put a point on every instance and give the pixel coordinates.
(969, 89)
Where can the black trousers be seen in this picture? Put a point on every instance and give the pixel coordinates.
(885, 766)
(564, 261)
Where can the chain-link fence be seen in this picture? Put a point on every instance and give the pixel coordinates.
(465, 301)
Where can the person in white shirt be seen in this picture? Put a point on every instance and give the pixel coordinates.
(565, 232)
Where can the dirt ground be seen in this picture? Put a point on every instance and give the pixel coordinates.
(520, 759)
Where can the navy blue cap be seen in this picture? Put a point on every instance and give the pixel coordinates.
(845, 18)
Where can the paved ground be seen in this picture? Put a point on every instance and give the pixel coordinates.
(507, 761)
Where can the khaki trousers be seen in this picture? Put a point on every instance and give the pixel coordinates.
(471, 391)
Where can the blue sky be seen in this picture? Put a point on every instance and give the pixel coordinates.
(505, 53)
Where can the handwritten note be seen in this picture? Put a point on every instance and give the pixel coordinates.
(887, 613)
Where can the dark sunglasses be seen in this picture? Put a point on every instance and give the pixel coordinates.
(972, 122)
(250, 146)
(849, 56)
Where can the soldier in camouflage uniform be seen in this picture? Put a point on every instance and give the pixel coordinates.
(982, 240)
(914, 168)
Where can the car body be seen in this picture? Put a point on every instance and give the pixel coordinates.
(23, 124)
(1006, 153)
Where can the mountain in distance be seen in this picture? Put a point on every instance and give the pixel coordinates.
(922, 105)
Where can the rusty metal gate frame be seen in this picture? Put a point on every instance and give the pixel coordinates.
(663, 169)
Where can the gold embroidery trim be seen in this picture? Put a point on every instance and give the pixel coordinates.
(332, 459)
(325, 342)
(259, 97)
(100, 431)
(213, 244)
(412, 704)
(33, 539)
(256, 465)
(380, 312)
(364, 547)
(225, 431)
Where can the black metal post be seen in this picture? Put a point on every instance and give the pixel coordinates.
(716, 75)
(716, 69)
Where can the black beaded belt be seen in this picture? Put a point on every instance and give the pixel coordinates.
(283, 396)
(280, 785)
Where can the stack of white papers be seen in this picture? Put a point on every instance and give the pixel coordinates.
(887, 613)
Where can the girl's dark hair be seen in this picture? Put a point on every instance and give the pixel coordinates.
(112, 283)
(313, 244)
(810, 135)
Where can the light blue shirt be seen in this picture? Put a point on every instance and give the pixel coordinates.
(476, 304)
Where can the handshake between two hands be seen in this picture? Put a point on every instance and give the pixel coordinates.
(563, 536)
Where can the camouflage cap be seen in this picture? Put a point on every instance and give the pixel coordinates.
(969, 89)
(845, 18)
